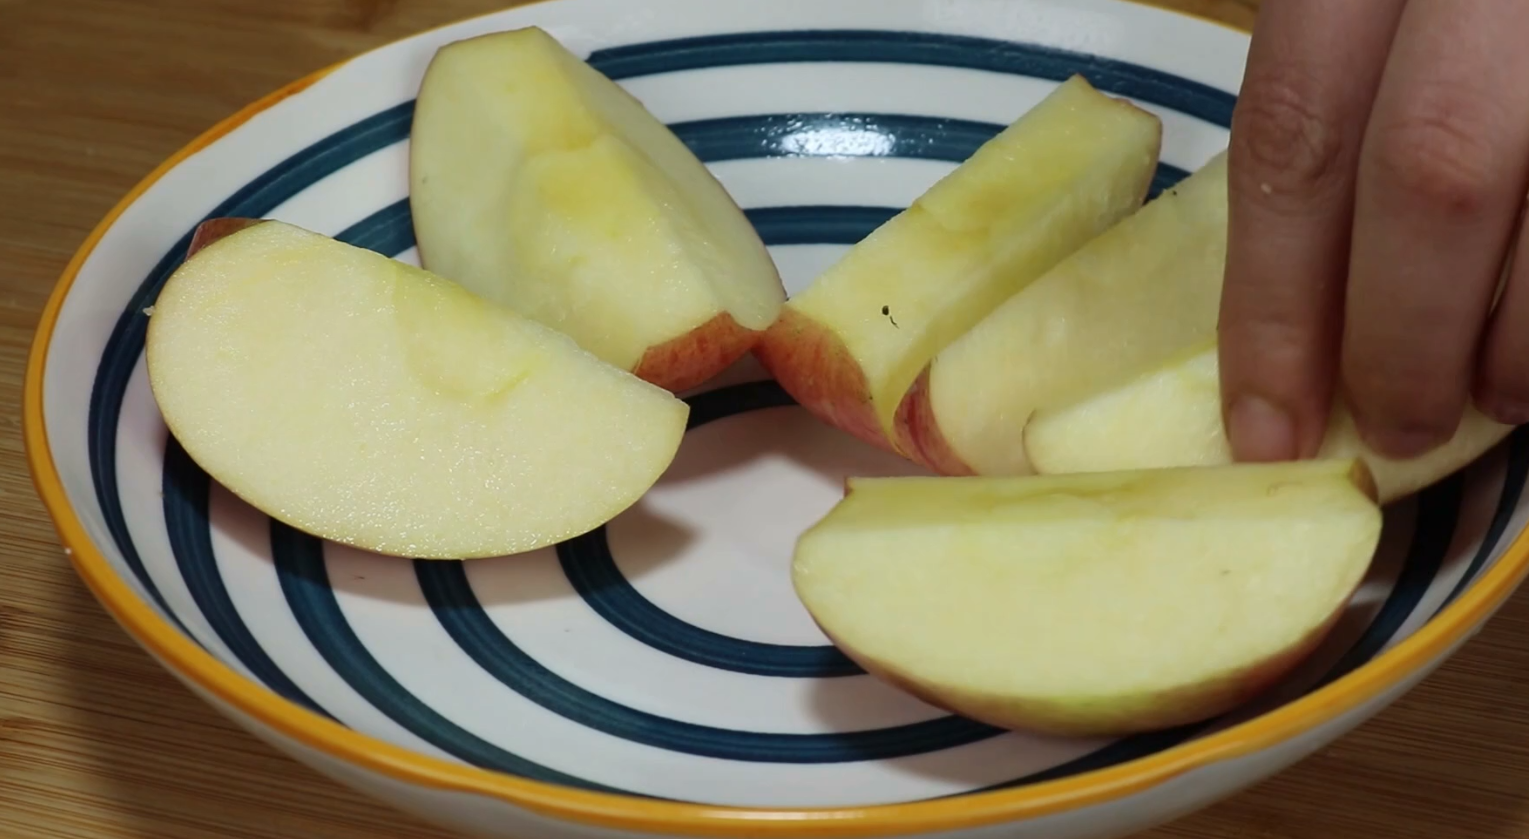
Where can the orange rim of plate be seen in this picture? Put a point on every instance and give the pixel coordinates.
(1367, 682)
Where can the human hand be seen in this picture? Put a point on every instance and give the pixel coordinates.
(1378, 164)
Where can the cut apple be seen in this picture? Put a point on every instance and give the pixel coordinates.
(1090, 605)
(368, 402)
(214, 229)
(1130, 298)
(539, 183)
(1171, 416)
(849, 347)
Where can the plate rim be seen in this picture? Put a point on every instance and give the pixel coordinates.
(1454, 624)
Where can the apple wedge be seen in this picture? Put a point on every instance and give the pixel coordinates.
(366, 401)
(1096, 604)
(849, 347)
(1171, 416)
(214, 229)
(1128, 299)
(537, 182)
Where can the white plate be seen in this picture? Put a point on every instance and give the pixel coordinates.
(663, 662)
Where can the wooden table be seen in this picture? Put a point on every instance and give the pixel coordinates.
(97, 742)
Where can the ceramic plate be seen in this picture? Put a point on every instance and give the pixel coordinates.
(662, 659)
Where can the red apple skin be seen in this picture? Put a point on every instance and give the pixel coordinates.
(916, 430)
(918, 435)
(816, 369)
(679, 364)
(1189, 705)
(214, 229)
(697, 356)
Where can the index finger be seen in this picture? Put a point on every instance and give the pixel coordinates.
(1313, 70)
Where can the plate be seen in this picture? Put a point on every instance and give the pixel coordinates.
(658, 675)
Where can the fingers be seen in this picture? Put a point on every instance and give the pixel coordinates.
(1502, 384)
(1441, 179)
(1312, 72)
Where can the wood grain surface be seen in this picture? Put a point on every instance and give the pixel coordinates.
(97, 742)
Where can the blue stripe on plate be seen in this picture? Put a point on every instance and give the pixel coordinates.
(186, 495)
(450, 595)
(834, 135)
(1513, 487)
(592, 570)
(1438, 513)
(299, 562)
(817, 225)
(853, 136)
(390, 231)
(1121, 78)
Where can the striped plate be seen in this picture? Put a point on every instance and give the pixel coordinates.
(658, 674)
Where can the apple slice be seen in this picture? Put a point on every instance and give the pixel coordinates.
(849, 347)
(1090, 605)
(1130, 298)
(369, 402)
(539, 183)
(214, 229)
(1171, 416)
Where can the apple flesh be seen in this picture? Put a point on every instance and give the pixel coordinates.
(368, 402)
(537, 182)
(1171, 416)
(1096, 604)
(850, 346)
(1125, 301)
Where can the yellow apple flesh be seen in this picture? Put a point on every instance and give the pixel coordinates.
(1139, 292)
(1171, 416)
(366, 401)
(1095, 604)
(537, 182)
(849, 347)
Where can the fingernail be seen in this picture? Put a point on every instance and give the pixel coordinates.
(1259, 431)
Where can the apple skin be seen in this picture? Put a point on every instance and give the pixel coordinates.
(918, 433)
(214, 229)
(683, 363)
(1155, 712)
(1132, 296)
(475, 369)
(1117, 714)
(850, 345)
(540, 184)
(692, 359)
(813, 365)
(1191, 704)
